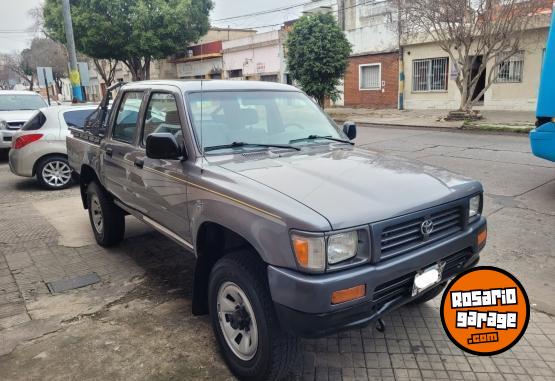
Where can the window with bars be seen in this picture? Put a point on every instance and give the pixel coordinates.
(370, 77)
(430, 74)
(510, 68)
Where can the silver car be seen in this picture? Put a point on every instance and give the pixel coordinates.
(16, 107)
(39, 149)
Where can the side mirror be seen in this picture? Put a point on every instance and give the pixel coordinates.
(350, 129)
(163, 145)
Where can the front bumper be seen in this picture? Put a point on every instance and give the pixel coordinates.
(303, 301)
(6, 137)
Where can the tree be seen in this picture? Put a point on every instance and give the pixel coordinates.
(107, 69)
(480, 36)
(45, 52)
(131, 31)
(20, 66)
(317, 54)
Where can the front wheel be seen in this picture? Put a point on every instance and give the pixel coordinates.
(244, 321)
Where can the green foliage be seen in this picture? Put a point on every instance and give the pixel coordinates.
(317, 54)
(132, 31)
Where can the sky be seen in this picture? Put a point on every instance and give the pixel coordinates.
(15, 20)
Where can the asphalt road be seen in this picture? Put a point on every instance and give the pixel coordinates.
(519, 195)
(137, 323)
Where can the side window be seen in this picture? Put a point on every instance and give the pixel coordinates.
(162, 116)
(76, 119)
(125, 127)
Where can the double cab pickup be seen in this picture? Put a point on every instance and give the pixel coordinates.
(296, 232)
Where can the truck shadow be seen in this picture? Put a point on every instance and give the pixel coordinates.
(411, 330)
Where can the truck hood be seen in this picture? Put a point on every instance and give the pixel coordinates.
(352, 187)
(17, 116)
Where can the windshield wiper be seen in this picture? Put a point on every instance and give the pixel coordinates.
(243, 144)
(314, 137)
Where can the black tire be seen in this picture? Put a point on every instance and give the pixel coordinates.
(111, 230)
(429, 295)
(276, 351)
(62, 181)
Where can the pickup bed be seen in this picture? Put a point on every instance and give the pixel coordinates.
(296, 231)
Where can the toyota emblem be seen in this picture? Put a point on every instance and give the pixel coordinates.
(427, 227)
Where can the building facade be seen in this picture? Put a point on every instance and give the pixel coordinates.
(257, 57)
(430, 77)
(205, 59)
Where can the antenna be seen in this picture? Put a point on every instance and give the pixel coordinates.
(202, 109)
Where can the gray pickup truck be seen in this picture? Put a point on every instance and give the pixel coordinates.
(296, 232)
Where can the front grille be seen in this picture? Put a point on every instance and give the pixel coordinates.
(408, 234)
(15, 125)
(402, 286)
(391, 290)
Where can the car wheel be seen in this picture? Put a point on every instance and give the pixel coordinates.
(429, 295)
(54, 173)
(107, 219)
(244, 321)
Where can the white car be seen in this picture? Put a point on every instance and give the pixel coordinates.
(16, 107)
(39, 149)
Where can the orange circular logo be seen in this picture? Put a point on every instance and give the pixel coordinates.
(485, 311)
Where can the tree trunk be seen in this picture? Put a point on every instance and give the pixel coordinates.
(321, 100)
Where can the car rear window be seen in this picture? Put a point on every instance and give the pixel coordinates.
(35, 123)
(77, 118)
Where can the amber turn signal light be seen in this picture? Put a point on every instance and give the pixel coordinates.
(348, 294)
(482, 237)
(301, 251)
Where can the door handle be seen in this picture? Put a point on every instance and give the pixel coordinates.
(109, 152)
(139, 163)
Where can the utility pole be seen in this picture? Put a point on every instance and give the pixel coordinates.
(74, 76)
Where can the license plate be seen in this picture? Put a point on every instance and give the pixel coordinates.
(427, 278)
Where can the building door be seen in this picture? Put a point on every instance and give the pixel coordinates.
(481, 81)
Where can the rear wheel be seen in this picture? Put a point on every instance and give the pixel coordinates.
(107, 219)
(54, 173)
(244, 321)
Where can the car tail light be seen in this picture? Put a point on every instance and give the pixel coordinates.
(24, 140)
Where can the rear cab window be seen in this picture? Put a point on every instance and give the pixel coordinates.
(125, 125)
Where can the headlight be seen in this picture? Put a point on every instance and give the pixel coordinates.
(311, 252)
(342, 246)
(474, 206)
(3, 125)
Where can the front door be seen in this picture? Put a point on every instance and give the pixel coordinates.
(161, 184)
(481, 84)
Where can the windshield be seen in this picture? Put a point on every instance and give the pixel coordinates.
(257, 117)
(10, 102)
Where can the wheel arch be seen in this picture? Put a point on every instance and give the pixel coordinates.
(43, 157)
(214, 241)
(87, 176)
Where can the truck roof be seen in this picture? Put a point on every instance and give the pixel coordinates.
(215, 85)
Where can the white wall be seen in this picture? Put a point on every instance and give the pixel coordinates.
(255, 55)
(521, 96)
(194, 68)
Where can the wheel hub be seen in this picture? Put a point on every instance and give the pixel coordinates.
(239, 319)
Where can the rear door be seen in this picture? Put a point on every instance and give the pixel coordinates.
(119, 146)
(160, 184)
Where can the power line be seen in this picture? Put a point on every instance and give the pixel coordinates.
(367, 2)
(264, 12)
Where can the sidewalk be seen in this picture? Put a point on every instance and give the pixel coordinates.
(511, 121)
